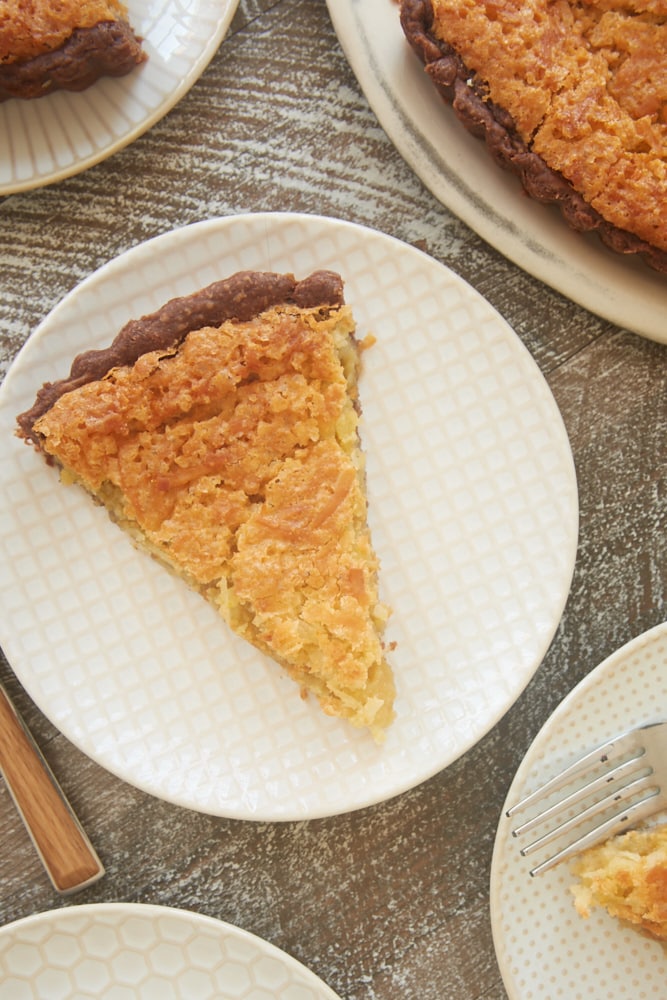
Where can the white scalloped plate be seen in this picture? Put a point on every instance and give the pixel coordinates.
(458, 170)
(545, 950)
(137, 951)
(474, 514)
(54, 137)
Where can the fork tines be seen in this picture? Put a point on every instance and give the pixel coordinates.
(626, 765)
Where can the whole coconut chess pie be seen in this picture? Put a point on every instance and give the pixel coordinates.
(221, 433)
(570, 95)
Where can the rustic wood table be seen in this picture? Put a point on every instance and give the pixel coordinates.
(393, 900)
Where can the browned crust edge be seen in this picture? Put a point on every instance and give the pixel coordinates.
(464, 90)
(109, 48)
(240, 297)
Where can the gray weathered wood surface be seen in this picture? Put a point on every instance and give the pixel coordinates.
(391, 901)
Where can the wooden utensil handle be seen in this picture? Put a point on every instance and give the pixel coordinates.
(67, 854)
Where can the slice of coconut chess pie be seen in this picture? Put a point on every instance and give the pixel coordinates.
(221, 433)
(48, 45)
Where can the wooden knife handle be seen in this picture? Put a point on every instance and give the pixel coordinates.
(65, 851)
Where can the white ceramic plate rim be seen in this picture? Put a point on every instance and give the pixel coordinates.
(457, 169)
(572, 704)
(60, 918)
(391, 772)
(197, 58)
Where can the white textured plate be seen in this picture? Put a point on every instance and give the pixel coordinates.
(134, 951)
(473, 510)
(51, 138)
(545, 950)
(458, 170)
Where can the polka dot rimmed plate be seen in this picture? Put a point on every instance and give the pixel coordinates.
(545, 950)
(473, 509)
(136, 951)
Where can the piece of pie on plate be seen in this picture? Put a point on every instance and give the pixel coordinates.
(48, 45)
(570, 95)
(221, 433)
(626, 876)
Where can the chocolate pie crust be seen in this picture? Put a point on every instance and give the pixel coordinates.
(109, 48)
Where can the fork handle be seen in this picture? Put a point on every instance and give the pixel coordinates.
(66, 853)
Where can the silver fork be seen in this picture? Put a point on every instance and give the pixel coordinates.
(634, 763)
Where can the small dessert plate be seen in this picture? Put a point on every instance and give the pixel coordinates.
(54, 137)
(140, 951)
(545, 950)
(472, 506)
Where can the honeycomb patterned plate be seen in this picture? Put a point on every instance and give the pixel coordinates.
(62, 134)
(545, 950)
(473, 509)
(135, 951)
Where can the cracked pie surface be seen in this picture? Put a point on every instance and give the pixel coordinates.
(570, 96)
(221, 433)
